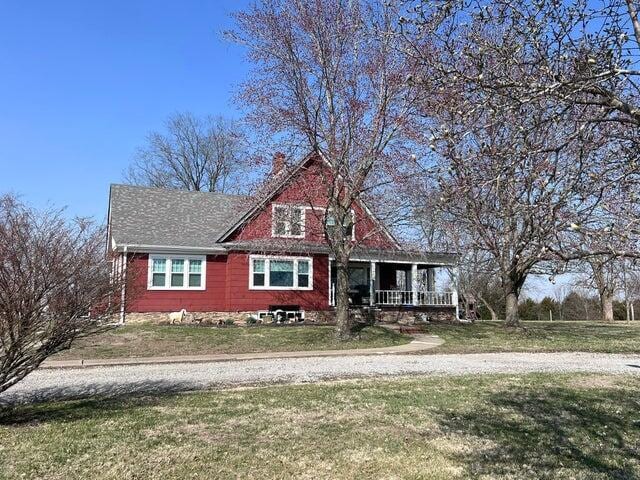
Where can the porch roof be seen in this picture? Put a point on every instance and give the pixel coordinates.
(359, 253)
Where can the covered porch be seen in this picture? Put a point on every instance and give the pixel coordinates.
(381, 283)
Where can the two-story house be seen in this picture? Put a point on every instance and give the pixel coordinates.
(225, 256)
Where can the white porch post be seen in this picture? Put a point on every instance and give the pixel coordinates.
(414, 283)
(454, 295)
(372, 284)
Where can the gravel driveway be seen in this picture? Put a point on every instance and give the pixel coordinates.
(50, 384)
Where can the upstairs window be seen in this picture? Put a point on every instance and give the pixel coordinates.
(348, 227)
(288, 221)
(179, 272)
(280, 273)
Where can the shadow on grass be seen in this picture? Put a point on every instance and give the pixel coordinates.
(94, 400)
(544, 431)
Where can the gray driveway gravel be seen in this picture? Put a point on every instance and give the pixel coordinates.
(57, 384)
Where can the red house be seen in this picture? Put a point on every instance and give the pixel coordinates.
(225, 256)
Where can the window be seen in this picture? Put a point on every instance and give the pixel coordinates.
(303, 273)
(280, 273)
(348, 228)
(179, 272)
(288, 221)
(258, 272)
(159, 272)
(195, 273)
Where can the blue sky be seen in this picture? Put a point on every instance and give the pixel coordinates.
(82, 83)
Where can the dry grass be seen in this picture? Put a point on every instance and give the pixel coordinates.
(166, 340)
(515, 427)
(482, 337)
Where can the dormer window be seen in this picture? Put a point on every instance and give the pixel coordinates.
(348, 227)
(288, 221)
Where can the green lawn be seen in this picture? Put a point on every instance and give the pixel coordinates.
(538, 337)
(486, 427)
(165, 340)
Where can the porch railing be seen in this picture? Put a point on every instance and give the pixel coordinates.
(435, 298)
(394, 297)
(405, 297)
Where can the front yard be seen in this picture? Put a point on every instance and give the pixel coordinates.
(166, 340)
(482, 337)
(494, 426)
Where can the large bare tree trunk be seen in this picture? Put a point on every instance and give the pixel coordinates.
(343, 323)
(511, 318)
(604, 279)
(511, 285)
(606, 306)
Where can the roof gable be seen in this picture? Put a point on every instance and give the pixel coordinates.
(285, 180)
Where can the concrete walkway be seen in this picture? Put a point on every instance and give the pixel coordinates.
(418, 344)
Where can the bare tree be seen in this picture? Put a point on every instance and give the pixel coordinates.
(55, 286)
(579, 57)
(200, 154)
(529, 161)
(605, 275)
(329, 77)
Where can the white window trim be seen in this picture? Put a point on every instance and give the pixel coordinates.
(167, 279)
(267, 259)
(287, 227)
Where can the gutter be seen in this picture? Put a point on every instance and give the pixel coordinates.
(142, 248)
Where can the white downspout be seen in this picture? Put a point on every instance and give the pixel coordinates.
(123, 288)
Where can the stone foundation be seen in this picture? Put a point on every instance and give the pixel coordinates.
(412, 317)
(399, 316)
(207, 318)
(322, 316)
(213, 318)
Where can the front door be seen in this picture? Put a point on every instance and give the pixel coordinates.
(359, 278)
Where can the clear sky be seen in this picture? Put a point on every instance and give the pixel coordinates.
(83, 82)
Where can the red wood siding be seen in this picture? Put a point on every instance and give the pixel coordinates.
(308, 189)
(210, 300)
(227, 288)
(241, 298)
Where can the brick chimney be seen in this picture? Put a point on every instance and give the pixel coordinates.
(278, 163)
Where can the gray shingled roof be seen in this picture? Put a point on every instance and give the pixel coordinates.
(162, 217)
